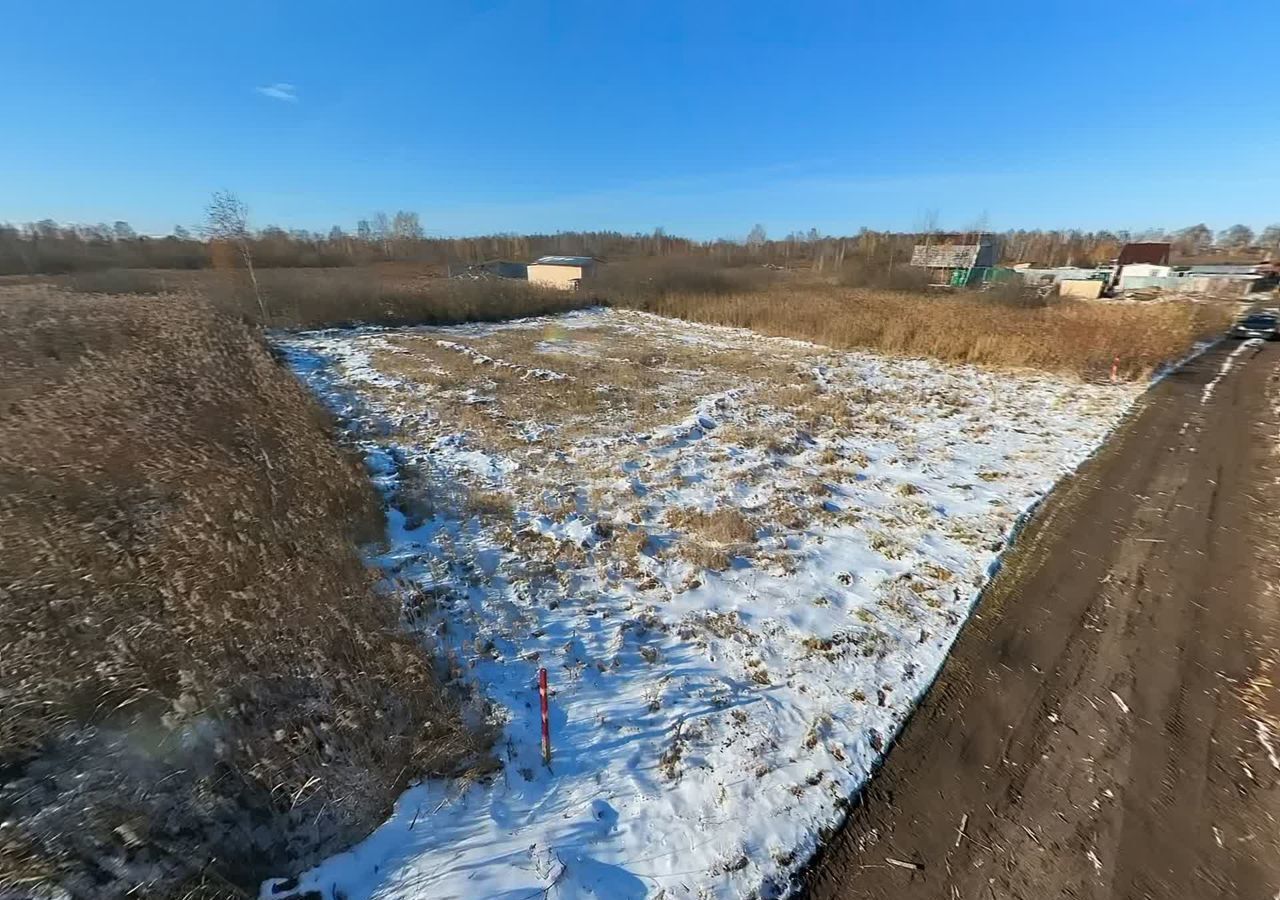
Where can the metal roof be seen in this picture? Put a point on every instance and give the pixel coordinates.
(1225, 269)
(563, 261)
(956, 237)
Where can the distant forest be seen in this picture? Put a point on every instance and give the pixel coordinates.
(48, 247)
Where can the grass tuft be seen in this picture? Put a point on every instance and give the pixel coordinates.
(713, 539)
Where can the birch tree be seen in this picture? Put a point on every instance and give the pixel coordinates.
(227, 220)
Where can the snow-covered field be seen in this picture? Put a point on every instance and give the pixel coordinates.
(741, 560)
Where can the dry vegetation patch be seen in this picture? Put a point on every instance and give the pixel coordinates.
(1079, 337)
(199, 683)
(324, 297)
(310, 298)
(711, 540)
(1001, 328)
(727, 527)
(516, 382)
(492, 504)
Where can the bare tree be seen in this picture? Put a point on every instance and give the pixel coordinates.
(659, 239)
(406, 229)
(1237, 237)
(406, 226)
(1194, 239)
(227, 220)
(928, 225)
(756, 238)
(382, 232)
(1271, 240)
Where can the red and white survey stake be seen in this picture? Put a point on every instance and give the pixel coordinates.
(546, 718)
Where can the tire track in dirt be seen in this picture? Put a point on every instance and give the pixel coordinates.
(1094, 733)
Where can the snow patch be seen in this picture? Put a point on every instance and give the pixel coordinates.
(480, 359)
(1207, 393)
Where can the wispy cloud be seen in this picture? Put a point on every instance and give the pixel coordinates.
(279, 91)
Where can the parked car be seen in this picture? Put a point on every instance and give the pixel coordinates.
(1257, 325)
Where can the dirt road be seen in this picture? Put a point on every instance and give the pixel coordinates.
(1108, 724)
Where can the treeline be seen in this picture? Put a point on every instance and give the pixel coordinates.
(48, 247)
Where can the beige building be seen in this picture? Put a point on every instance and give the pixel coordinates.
(564, 272)
(1081, 289)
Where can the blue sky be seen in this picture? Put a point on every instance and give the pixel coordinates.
(701, 117)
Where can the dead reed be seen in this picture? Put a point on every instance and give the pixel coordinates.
(315, 298)
(1077, 337)
(199, 683)
(999, 328)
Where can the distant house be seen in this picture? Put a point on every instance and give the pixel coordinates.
(1183, 281)
(955, 251)
(1145, 259)
(565, 272)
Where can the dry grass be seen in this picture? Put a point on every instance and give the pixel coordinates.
(997, 329)
(315, 298)
(712, 539)
(628, 382)
(1078, 337)
(640, 281)
(491, 504)
(198, 682)
(122, 281)
(722, 526)
(628, 544)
